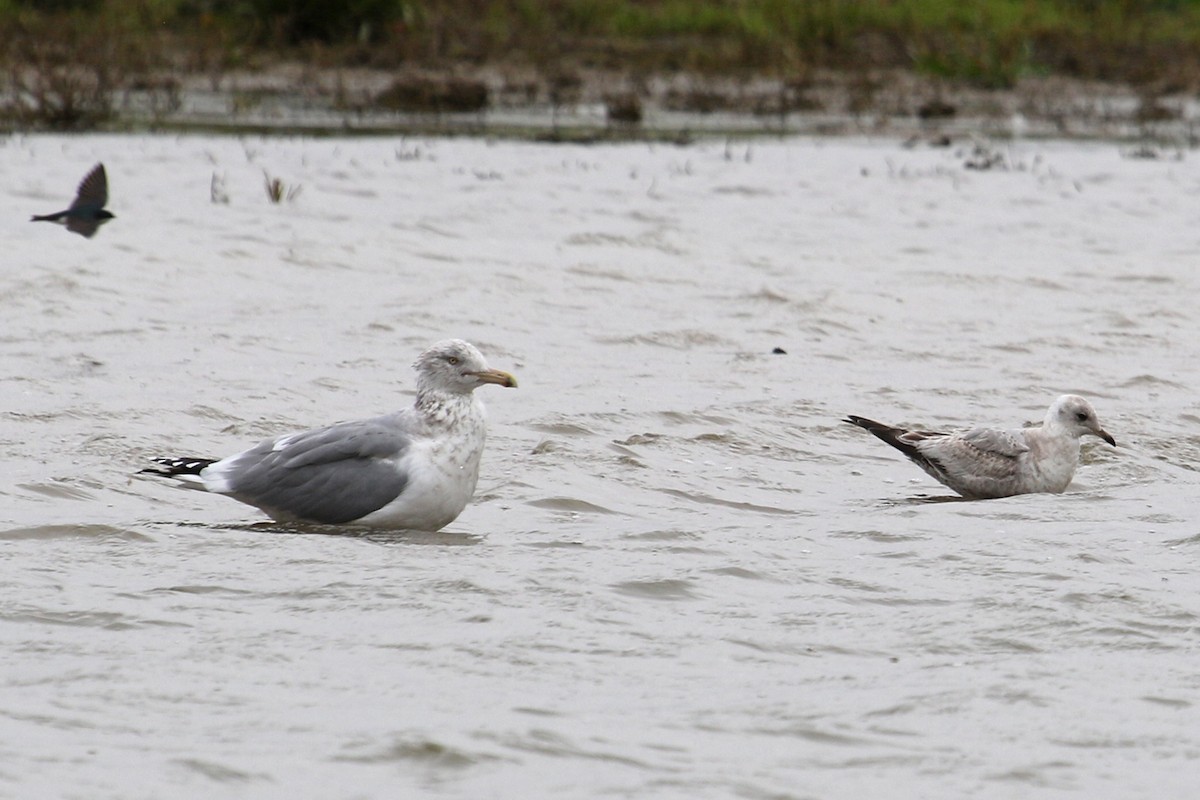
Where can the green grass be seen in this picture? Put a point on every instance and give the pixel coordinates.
(986, 43)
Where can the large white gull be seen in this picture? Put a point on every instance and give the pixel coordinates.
(413, 469)
(989, 462)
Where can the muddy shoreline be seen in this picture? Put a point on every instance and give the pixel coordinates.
(598, 105)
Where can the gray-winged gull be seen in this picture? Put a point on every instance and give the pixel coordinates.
(988, 462)
(413, 469)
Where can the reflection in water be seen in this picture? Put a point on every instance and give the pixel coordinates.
(441, 538)
(80, 531)
(925, 499)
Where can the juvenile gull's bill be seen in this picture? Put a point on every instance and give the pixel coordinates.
(989, 462)
(87, 212)
(413, 469)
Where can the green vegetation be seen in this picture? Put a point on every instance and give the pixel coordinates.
(84, 49)
(987, 42)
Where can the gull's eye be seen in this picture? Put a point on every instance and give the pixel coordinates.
(452, 360)
(1081, 416)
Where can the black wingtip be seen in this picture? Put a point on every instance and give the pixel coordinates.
(888, 434)
(866, 424)
(173, 467)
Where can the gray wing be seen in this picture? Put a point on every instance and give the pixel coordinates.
(984, 462)
(93, 189)
(1002, 443)
(329, 475)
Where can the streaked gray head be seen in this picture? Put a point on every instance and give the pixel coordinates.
(456, 367)
(1076, 415)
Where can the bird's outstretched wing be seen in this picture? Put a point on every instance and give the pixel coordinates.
(84, 227)
(93, 190)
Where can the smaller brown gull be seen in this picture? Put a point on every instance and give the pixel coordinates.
(989, 462)
(414, 469)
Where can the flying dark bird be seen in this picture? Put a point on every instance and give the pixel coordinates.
(87, 213)
(987, 462)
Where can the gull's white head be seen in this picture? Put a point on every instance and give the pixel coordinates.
(456, 367)
(1073, 414)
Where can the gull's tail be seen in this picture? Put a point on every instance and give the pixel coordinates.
(176, 467)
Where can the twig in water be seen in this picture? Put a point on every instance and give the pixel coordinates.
(277, 191)
(216, 190)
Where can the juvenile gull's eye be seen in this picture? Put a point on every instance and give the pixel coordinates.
(1081, 416)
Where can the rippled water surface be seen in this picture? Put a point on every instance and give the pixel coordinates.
(682, 576)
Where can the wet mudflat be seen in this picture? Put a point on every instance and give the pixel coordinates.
(682, 576)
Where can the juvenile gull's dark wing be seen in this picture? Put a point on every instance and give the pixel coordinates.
(902, 439)
(984, 462)
(979, 463)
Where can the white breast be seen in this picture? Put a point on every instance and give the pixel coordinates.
(442, 471)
